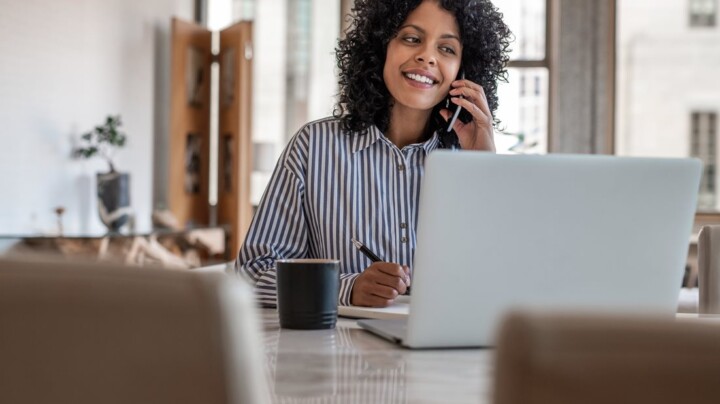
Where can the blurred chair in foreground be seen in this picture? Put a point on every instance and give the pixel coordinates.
(81, 333)
(709, 269)
(563, 359)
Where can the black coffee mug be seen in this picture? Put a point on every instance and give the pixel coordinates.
(307, 293)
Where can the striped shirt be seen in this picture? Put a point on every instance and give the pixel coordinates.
(327, 188)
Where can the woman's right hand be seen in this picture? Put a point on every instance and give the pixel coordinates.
(379, 284)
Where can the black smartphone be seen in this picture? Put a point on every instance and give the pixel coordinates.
(448, 137)
(454, 108)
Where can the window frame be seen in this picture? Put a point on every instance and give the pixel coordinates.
(546, 63)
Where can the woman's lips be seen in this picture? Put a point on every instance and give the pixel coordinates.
(418, 80)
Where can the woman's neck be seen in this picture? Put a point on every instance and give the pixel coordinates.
(407, 126)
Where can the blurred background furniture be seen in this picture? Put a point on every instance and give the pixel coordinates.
(80, 333)
(101, 333)
(195, 196)
(589, 359)
(183, 248)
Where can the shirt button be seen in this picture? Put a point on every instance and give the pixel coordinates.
(401, 167)
(404, 239)
(403, 225)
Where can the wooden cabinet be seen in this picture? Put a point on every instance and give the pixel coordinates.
(189, 187)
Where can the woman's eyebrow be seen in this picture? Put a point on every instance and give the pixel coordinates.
(422, 31)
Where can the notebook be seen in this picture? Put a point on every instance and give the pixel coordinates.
(554, 232)
(397, 310)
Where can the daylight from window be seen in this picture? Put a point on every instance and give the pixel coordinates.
(523, 109)
(668, 91)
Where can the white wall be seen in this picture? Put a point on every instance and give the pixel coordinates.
(65, 65)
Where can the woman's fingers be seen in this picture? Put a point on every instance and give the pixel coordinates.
(479, 115)
(474, 94)
(380, 284)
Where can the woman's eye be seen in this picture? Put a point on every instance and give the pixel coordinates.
(447, 49)
(411, 39)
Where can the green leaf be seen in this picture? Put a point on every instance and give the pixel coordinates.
(103, 137)
(86, 152)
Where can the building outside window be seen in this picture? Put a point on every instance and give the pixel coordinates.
(703, 13)
(668, 92)
(524, 99)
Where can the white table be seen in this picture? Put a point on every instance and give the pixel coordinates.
(350, 365)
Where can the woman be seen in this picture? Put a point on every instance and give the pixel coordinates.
(358, 174)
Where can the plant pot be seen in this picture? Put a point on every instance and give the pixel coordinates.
(113, 191)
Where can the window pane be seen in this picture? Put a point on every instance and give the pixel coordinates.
(668, 92)
(526, 19)
(293, 79)
(702, 13)
(523, 111)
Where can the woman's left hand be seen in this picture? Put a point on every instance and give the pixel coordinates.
(478, 133)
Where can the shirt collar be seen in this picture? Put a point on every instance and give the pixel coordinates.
(361, 142)
(373, 134)
(432, 143)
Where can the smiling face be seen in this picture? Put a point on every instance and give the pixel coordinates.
(423, 58)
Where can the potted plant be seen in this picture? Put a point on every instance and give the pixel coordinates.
(113, 187)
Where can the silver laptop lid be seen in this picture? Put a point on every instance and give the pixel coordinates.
(558, 231)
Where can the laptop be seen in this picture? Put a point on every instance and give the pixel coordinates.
(553, 232)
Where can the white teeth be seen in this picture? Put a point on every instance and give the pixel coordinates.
(419, 78)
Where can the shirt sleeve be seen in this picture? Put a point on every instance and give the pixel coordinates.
(278, 231)
(347, 281)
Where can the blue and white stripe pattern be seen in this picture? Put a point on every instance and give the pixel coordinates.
(327, 188)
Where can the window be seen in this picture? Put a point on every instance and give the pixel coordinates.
(703, 132)
(293, 75)
(667, 106)
(524, 99)
(703, 13)
(298, 64)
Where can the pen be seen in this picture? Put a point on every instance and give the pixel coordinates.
(366, 251)
(373, 257)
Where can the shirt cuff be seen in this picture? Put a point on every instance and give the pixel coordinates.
(347, 281)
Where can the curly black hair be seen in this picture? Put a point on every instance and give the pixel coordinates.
(364, 99)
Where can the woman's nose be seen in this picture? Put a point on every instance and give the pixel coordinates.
(426, 56)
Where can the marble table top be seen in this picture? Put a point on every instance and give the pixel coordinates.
(350, 365)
